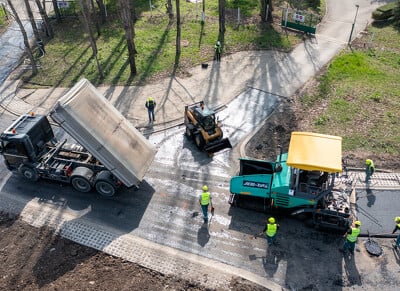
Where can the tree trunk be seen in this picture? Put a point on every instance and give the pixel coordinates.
(48, 29)
(170, 10)
(93, 17)
(102, 11)
(266, 16)
(87, 24)
(129, 27)
(178, 28)
(270, 9)
(25, 36)
(56, 10)
(221, 12)
(32, 21)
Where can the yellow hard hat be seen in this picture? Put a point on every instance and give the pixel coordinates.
(150, 99)
(368, 162)
(397, 219)
(205, 188)
(271, 220)
(357, 222)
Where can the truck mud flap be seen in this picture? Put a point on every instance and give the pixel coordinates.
(217, 146)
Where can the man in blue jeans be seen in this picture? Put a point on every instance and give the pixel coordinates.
(205, 200)
(270, 231)
(351, 237)
(150, 105)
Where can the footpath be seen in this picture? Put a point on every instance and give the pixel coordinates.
(268, 71)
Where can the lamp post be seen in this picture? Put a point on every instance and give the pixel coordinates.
(354, 23)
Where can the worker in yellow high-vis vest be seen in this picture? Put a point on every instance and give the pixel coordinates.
(351, 237)
(369, 169)
(270, 230)
(397, 227)
(205, 200)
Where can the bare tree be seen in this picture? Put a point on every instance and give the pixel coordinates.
(102, 11)
(25, 36)
(56, 10)
(46, 21)
(128, 23)
(266, 10)
(32, 20)
(178, 28)
(92, 40)
(170, 11)
(221, 12)
(92, 14)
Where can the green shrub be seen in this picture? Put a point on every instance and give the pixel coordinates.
(384, 12)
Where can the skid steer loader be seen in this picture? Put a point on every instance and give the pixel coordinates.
(203, 127)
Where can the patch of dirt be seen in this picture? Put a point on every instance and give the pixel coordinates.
(33, 259)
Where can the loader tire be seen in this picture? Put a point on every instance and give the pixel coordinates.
(189, 133)
(199, 140)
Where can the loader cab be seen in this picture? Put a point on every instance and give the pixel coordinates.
(206, 117)
(25, 140)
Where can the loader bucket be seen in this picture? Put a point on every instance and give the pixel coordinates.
(217, 146)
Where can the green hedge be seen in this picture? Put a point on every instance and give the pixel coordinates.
(384, 12)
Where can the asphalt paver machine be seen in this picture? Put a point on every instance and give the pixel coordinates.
(300, 181)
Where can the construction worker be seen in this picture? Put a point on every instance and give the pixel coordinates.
(270, 230)
(397, 221)
(151, 105)
(369, 169)
(205, 200)
(217, 49)
(351, 237)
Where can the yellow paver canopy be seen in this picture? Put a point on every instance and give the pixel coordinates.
(315, 152)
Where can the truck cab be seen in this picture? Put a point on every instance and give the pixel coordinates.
(24, 142)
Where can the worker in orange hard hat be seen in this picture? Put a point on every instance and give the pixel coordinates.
(351, 237)
(397, 221)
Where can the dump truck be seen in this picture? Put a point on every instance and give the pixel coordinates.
(109, 152)
(299, 181)
(204, 128)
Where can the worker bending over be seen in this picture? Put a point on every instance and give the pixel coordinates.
(351, 237)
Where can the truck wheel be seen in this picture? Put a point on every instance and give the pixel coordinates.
(189, 133)
(199, 140)
(105, 188)
(105, 184)
(29, 173)
(81, 184)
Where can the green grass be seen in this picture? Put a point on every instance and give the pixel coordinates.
(69, 55)
(3, 16)
(360, 92)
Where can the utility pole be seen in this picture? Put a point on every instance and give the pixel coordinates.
(354, 23)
